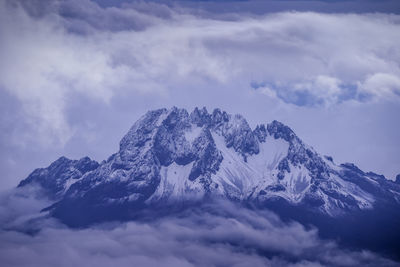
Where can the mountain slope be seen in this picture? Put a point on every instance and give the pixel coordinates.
(173, 156)
(56, 179)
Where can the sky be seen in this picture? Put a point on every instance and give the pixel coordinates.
(75, 75)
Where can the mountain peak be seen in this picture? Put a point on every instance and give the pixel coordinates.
(200, 117)
(56, 178)
(171, 155)
(280, 130)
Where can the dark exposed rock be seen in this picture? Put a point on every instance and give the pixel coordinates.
(189, 146)
(53, 179)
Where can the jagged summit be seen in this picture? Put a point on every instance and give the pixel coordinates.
(171, 155)
(56, 179)
(398, 179)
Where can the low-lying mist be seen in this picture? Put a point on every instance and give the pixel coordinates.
(220, 234)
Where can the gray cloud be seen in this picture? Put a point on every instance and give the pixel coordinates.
(308, 57)
(222, 235)
(20, 209)
(74, 75)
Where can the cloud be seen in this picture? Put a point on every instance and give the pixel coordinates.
(75, 75)
(382, 85)
(73, 69)
(81, 48)
(218, 235)
(21, 207)
(321, 91)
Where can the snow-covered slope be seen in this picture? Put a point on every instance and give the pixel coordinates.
(172, 156)
(56, 179)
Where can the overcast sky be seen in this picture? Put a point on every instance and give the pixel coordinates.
(75, 75)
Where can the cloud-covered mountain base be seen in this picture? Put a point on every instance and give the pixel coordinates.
(211, 235)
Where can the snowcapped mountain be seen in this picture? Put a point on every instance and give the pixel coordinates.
(56, 179)
(172, 156)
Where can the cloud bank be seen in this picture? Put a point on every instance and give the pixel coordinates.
(220, 235)
(75, 75)
(301, 58)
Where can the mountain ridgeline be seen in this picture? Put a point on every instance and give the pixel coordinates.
(171, 159)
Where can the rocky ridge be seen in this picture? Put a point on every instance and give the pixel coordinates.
(171, 156)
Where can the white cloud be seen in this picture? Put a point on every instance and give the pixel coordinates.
(382, 85)
(78, 50)
(221, 235)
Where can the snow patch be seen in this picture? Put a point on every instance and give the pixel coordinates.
(241, 179)
(175, 184)
(272, 151)
(193, 133)
(70, 182)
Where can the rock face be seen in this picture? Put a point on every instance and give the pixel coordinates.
(171, 156)
(56, 179)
